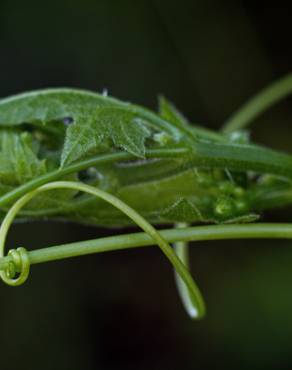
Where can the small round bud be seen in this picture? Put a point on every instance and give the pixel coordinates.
(224, 207)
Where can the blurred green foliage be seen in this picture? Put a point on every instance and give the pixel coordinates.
(208, 57)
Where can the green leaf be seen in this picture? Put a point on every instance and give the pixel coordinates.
(91, 134)
(48, 105)
(18, 158)
(183, 210)
(95, 123)
(169, 112)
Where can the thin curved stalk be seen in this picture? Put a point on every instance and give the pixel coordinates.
(258, 104)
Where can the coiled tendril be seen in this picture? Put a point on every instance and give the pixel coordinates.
(18, 265)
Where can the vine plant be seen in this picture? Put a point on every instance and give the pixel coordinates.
(74, 155)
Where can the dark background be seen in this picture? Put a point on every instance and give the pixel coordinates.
(121, 310)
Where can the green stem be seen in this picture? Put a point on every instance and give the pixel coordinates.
(138, 240)
(242, 158)
(260, 103)
(141, 239)
(194, 292)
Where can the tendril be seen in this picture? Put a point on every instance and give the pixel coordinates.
(181, 248)
(18, 265)
(259, 104)
(19, 260)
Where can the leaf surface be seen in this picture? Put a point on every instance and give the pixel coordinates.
(108, 125)
(18, 158)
